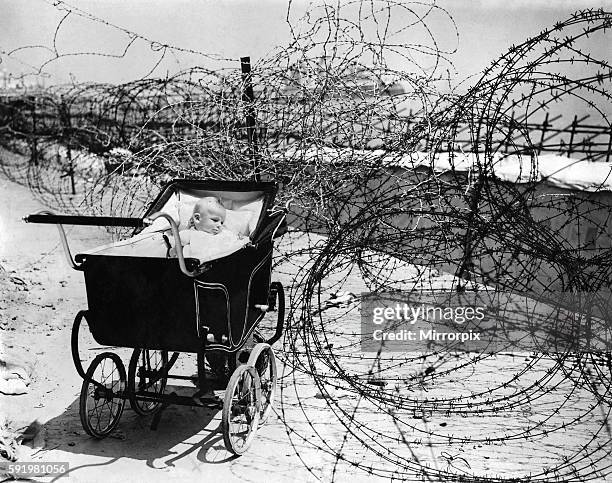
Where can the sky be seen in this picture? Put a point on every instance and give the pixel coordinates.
(234, 28)
(481, 32)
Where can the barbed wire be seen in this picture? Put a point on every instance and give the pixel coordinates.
(379, 203)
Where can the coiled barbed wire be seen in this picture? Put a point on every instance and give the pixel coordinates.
(381, 201)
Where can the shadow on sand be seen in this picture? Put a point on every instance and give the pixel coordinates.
(181, 432)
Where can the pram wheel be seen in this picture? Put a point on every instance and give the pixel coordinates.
(101, 405)
(240, 416)
(142, 377)
(263, 360)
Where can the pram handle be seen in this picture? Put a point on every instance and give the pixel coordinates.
(46, 216)
(177, 240)
(49, 217)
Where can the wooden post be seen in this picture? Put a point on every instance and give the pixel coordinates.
(544, 126)
(67, 139)
(609, 146)
(573, 132)
(466, 265)
(511, 131)
(249, 97)
(70, 168)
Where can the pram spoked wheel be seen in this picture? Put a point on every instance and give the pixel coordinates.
(101, 405)
(143, 376)
(241, 408)
(262, 358)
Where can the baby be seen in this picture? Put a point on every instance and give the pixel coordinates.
(206, 235)
(208, 216)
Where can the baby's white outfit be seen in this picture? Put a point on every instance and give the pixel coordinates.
(206, 246)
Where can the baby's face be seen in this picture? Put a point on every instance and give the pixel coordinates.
(209, 220)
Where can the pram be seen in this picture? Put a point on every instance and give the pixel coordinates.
(138, 297)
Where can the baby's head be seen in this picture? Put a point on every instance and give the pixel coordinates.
(208, 215)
